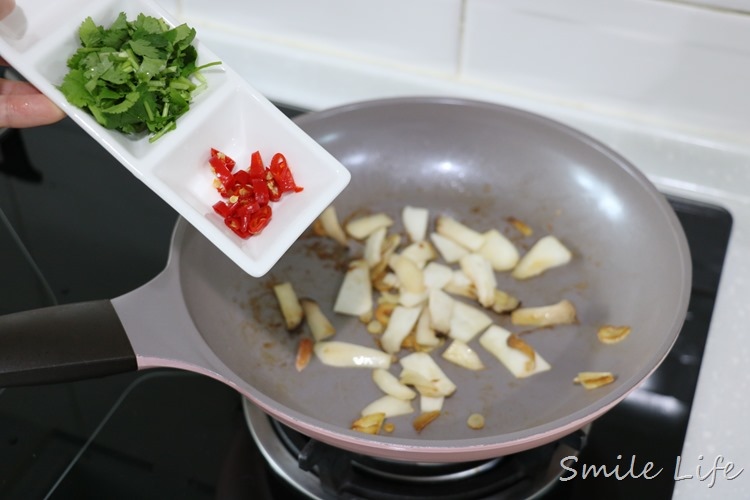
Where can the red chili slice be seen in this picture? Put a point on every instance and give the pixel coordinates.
(282, 175)
(246, 210)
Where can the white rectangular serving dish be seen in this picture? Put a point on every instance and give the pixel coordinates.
(37, 39)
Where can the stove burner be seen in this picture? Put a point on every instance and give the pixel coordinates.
(323, 472)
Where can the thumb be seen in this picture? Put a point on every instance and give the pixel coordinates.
(28, 110)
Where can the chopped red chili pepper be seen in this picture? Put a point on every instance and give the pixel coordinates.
(282, 175)
(248, 193)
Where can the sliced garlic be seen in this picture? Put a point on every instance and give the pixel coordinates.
(388, 405)
(373, 252)
(475, 421)
(369, 424)
(467, 321)
(610, 334)
(401, 323)
(424, 419)
(420, 252)
(448, 249)
(545, 254)
(499, 251)
(415, 220)
(504, 302)
(440, 305)
(461, 284)
(389, 384)
(561, 313)
(329, 222)
(428, 404)
(459, 233)
(459, 353)
(436, 275)
(362, 227)
(348, 355)
(320, 327)
(411, 299)
(425, 334)
(482, 276)
(495, 341)
(289, 304)
(422, 372)
(304, 353)
(520, 226)
(355, 294)
(593, 380)
(409, 275)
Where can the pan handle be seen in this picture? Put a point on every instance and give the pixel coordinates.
(62, 344)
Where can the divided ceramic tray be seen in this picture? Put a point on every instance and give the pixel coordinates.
(39, 36)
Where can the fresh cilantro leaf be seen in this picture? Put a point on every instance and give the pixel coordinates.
(89, 33)
(144, 48)
(134, 76)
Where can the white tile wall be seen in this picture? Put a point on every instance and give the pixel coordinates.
(683, 62)
(662, 59)
(421, 34)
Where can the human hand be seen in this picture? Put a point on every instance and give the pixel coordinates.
(21, 104)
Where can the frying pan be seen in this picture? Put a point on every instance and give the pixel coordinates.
(480, 163)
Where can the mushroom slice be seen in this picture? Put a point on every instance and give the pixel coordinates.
(561, 313)
(610, 334)
(355, 294)
(362, 227)
(459, 233)
(329, 223)
(436, 275)
(592, 380)
(388, 405)
(459, 353)
(467, 321)
(319, 324)
(499, 251)
(348, 355)
(424, 332)
(440, 305)
(517, 361)
(401, 322)
(389, 384)
(373, 252)
(369, 424)
(448, 249)
(480, 272)
(422, 372)
(415, 220)
(289, 305)
(391, 243)
(548, 252)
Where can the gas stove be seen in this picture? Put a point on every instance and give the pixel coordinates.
(166, 433)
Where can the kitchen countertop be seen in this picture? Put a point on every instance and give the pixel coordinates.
(686, 165)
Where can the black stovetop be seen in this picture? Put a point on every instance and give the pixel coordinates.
(169, 434)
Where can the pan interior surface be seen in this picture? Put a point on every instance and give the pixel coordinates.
(480, 163)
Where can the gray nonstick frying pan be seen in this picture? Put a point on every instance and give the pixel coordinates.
(480, 163)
